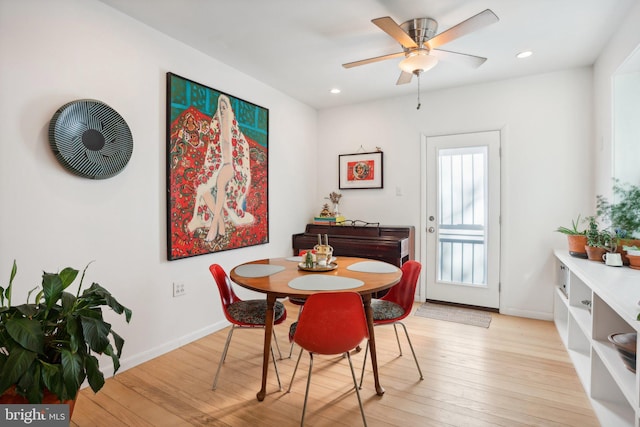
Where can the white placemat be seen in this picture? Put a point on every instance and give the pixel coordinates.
(258, 270)
(373, 267)
(319, 282)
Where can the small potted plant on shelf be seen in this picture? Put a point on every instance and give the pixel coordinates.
(598, 241)
(576, 238)
(47, 346)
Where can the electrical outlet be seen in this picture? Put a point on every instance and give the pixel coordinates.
(179, 289)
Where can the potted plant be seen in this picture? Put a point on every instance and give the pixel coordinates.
(47, 346)
(598, 241)
(623, 216)
(576, 238)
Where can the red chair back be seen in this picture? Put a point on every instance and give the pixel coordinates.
(331, 323)
(227, 296)
(403, 293)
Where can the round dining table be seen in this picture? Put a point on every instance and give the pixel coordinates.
(283, 277)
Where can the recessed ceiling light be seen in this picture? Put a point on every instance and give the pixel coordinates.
(335, 90)
(524, 54)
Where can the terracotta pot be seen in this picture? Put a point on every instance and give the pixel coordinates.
(634, 261)
(11, 397)
(577, 242)
(595, 254)
(626, 242)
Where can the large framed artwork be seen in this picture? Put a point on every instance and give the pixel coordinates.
(361, 170)
(217, 170)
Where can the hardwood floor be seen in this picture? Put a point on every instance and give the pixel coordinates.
(515, 373)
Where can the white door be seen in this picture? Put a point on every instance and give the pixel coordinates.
(461, 218)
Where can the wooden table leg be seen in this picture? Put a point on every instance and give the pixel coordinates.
(268, 331)
(366, 300)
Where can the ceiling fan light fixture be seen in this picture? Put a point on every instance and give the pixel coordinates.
(418, 61)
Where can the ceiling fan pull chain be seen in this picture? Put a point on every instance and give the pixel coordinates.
(418, 107)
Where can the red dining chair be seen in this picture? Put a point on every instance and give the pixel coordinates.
(244, 314)
(393, 307)
(331, 323)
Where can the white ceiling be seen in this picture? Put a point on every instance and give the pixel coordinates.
(298, 46)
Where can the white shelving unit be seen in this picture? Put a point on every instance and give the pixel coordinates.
(592, 301)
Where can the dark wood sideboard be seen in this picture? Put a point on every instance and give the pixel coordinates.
(392, 244)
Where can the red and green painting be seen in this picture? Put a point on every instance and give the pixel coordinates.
(217, 170)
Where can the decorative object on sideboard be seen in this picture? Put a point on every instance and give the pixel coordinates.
(576, 238)
(335, 199)
(51, 344)
(90, 139)
(325, 212)
(625, 343)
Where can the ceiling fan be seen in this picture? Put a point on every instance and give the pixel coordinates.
(419, 43)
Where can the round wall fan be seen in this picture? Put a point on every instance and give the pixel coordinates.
(419, 44)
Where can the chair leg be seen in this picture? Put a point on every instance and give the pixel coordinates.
(292, 343)
(295, 370)
(355, 383)
(397, 338)
(223, 357)
(364, 363)
(275, 338)
(275, 365)
(306, 393)
(412, 351)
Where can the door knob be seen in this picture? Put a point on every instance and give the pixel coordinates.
(431, 218)
(431, 229)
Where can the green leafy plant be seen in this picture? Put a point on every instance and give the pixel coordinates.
(50, 342)
(623, 215)
(574, 228)
(597, 238)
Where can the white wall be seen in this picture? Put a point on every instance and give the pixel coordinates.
(623, 43)
(56, 52)
(547, 141)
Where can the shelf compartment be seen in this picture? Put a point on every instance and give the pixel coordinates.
(562, 279)
(579, 347)
(608, 400)
(578, 292)
(561, 314)
(606, 321)
(611, 361)
(582, 319)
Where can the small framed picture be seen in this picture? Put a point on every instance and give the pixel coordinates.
(361, 170)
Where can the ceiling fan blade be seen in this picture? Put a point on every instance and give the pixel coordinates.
(460, 58)
(476, 22)
(404, 78)
(390, 27)
(370, 60)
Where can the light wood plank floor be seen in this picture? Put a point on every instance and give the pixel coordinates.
(515, 373)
